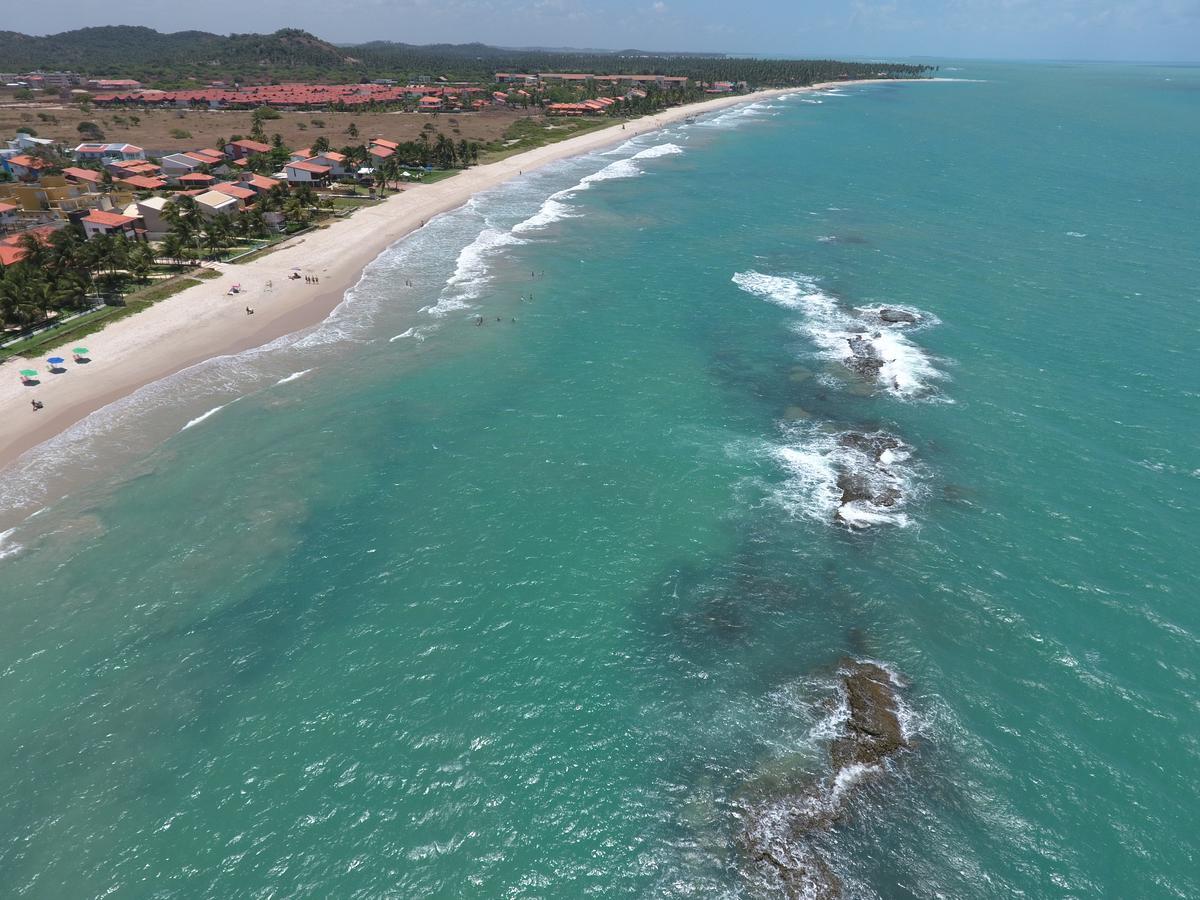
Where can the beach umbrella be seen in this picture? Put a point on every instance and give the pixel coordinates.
(56, 360)
(29, 373)
(80, 351)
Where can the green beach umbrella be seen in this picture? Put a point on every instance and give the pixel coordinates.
(29, 373)
(82, 351)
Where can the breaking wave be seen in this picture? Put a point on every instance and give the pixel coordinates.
(200, 418)
(471, 269)
(867, 341)
(853, 479)
(286, 378)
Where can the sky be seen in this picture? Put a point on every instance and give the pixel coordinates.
(996, 29)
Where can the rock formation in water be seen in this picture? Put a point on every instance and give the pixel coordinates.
(865, 477)
(780, 833)
(873, 731)
(872, 445)
(897, 316)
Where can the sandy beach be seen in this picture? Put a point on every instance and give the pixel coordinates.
(204, 321)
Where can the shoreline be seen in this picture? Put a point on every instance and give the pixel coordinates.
(202, 322)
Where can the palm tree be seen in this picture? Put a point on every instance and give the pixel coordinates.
(305, 194)
(216, 233)
(141, 261)
(172, 247)
(443, 151)
(296, 211)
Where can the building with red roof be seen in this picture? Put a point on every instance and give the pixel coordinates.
(24, 167)
(143, 182)
(11, 249)
(241, 149)
(304, 172)
(83, 176)
(336, 162)
(245, 194)
(102, 152)
(99, 221)
(196, 179)
(260, 183)
(8, 215)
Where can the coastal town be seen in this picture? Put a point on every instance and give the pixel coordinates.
(128, 207)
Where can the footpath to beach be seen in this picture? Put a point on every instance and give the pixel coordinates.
(203, 322)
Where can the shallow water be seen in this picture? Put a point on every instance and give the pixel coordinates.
(526, 608)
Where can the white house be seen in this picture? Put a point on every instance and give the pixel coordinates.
(152, 212)
(176, 164)
(214, 203)
(107, 152)
(331, 158)
(25, 141)
(304, 172)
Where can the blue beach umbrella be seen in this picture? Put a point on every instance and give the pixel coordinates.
(56, 360)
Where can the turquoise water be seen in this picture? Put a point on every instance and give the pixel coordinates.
(531, 608)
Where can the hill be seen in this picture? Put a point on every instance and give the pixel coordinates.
(180, 58)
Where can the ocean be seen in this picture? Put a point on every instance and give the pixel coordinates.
(536, 570)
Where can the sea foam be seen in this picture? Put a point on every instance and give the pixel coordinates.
(863, 342)
(845, 478)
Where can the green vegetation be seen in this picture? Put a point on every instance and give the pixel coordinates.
(90, 322)
(182, 58)
(529, 133)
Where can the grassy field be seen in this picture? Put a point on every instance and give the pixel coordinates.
(160, 130)
(529, 133)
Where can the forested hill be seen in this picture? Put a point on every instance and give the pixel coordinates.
(166, 60)
(128, 51)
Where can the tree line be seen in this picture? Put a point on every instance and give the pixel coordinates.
(170, 60)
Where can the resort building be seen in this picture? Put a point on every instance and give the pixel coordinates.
(113, 84)
(8, 216)
(515, 78)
